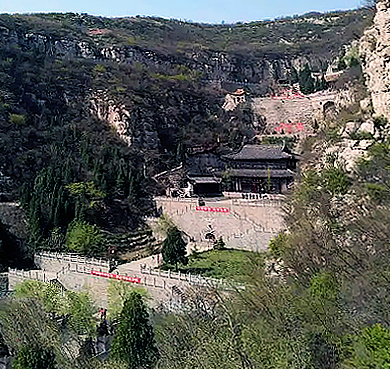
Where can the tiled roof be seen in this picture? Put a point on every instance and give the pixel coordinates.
(256, 152)
(205, 179)
(261, 173)
(204, 164)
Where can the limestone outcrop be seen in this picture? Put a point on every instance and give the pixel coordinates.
(375, 51)
(116, 115)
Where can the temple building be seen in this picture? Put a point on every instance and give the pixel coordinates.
(260, 169)
(205, 174)
(256, 169)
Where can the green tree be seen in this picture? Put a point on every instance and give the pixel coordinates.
(371, 349)
(78, 305)
(134, 342)
(294, 78)
(84, 238)
(174, 248)
(9, 248)
(34, 357)
(118, 292)
(306, 81)
(219, 244)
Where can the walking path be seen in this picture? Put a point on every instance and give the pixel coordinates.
(164, 287)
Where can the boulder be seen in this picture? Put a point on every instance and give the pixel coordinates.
(350, 127)
(365, 105)
(367, 127)
(375, 50)
(365, 144)
(350, 156)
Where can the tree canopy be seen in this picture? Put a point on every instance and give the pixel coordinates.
(134, 342)
(174, 248)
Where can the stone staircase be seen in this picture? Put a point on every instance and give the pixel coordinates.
(136, 241)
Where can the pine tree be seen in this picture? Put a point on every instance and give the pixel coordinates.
(174, 248)
(324, 84)
(134, 342)
(294, 76)
(306, 81)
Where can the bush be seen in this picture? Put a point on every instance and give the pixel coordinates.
(85, 239)
(336, 180)
(371, 348)
(17, 119)
(99, 69)
(30, 357)
(277, 245)
(324, 286)
(219, 244)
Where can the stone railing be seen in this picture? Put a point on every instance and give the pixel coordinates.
(36, 275)
(72, 261)
(251, 200)
(74, 268)
(192, 279)
(177, 199)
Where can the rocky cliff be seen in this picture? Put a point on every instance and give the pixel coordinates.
(375, 50)
(257, 53)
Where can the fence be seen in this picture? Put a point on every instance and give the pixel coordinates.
(191, 279)
(81, 264)
(176, 199)
(252, 201)
(36, 275)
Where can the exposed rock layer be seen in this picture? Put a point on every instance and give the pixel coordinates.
(375, 50)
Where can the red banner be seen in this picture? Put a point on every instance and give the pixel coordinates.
(116, 276)
(215, 210)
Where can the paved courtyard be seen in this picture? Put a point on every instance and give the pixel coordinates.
(247, 225)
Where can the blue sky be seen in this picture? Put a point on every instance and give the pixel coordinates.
(209, 11)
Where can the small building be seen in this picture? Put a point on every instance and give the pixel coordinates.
(260, 169)
(205, 173)
(233, 99)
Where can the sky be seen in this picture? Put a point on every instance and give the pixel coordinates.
(206, 11)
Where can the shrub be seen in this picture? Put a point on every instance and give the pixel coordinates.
(17, 119)
(336, 180)
(219, 244)
(324, 286)
(84, 238)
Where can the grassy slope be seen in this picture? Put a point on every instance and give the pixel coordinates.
(228, 264)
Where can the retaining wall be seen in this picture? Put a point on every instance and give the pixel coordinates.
(56, 261)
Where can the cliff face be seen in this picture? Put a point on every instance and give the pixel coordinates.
(159, 83)
(258, 53)
(258, 68)
(375, 49)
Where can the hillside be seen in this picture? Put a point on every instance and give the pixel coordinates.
(91, 108)
(241, 52)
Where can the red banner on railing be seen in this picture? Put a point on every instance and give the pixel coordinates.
(116, 276)
(216, 210)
